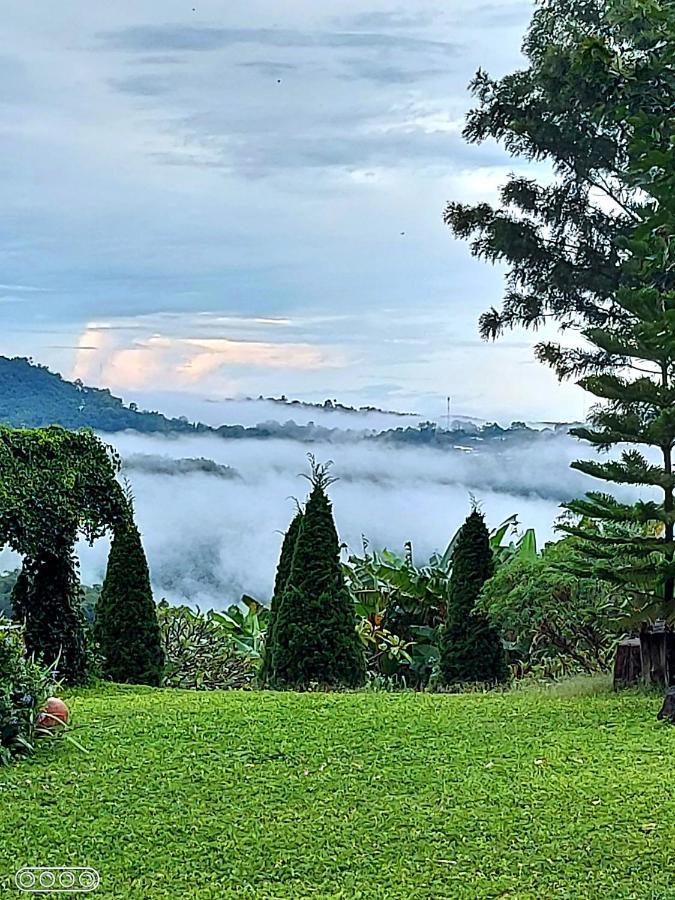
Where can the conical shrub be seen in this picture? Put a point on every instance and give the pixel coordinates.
(471, 649)
(315, 639)
(280, 582)
(126, 625)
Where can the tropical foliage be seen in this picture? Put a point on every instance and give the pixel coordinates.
(553, 620)
(402, 606)
(24, 687)
(213, 650)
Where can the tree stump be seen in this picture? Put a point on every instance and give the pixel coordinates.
(657, 651)
(628, 663)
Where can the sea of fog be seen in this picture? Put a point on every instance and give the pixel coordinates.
(215, 412)
(212, 535)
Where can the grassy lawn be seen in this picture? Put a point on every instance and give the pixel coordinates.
(365, 795)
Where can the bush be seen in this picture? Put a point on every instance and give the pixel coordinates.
(126, 626)
(471, 649)
(201, 651)
(24, 688)
(314, 641)
(553, 619)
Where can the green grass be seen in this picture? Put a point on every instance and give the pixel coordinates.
(522, 795)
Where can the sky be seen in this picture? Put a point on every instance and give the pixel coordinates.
(231, 199)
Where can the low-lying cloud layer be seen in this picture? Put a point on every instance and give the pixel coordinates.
(212, 511)
(211, 538)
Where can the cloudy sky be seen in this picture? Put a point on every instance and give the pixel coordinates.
(229, 198)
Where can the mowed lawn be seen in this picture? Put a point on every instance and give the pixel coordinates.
(351, 795)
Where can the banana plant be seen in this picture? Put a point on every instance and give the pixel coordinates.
(245, 629)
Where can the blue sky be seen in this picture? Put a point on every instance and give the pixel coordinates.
(238, 198)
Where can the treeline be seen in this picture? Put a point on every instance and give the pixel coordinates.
(333, 405)
(465, 436)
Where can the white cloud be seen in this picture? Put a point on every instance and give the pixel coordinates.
(128, 354)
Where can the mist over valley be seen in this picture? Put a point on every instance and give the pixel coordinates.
(212, 511)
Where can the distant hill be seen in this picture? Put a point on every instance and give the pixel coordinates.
(31, 397)
(335, 406)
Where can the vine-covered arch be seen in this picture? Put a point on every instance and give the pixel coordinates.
(54, 486)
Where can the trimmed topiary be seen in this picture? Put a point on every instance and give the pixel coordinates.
(125, 625)
(280, 582)
(471, 649)
(47, 600)
(314, 639)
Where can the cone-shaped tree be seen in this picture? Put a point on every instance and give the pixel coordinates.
(126, 625)
(471, 649)
(47, 598)
(315, 639)
(280, 582)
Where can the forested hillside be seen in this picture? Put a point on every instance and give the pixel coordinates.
(32, 396)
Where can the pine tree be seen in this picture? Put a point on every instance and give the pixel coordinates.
(126, 625)
(630, 361)
(280, 582)
(47, 598)
(594, 250)
(471, 650)
(315, 639)
(633, 544)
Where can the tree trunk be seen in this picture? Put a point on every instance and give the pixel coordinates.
(657, 651)
(628, 663)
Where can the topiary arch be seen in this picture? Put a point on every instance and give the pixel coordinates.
(54, 486)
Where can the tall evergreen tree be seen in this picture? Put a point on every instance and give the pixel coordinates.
(280, 582)
(559, 237)
(471, 649)
(595, 250)
(47, 598)
(593, 103)
(315, 639)
(634, 544)
(126, 626)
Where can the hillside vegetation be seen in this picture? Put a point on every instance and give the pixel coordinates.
(31, 396)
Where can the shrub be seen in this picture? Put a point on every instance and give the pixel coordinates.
(551, 617)
(280, 582)
(314, 639)
(24, 687)
(126, 617)
(47, 600)
(471, 649)
(201, 652)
